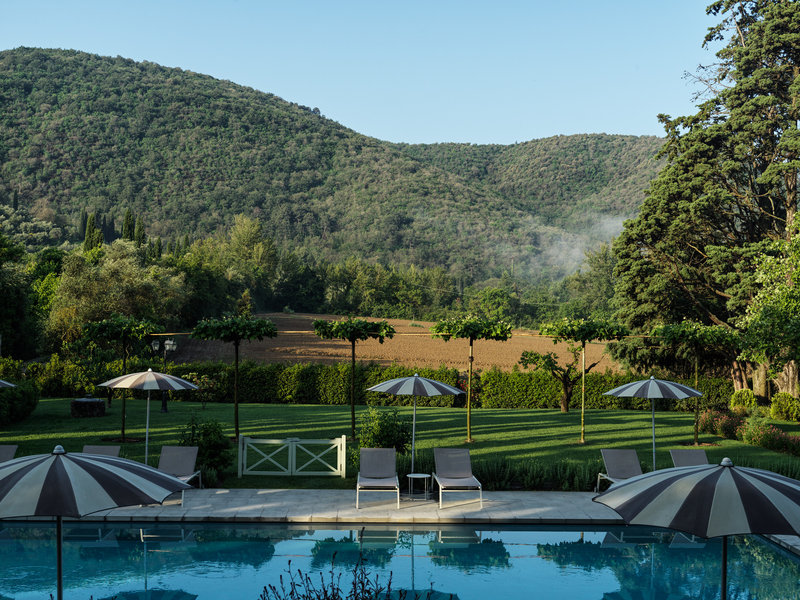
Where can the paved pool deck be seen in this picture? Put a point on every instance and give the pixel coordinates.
(338, 507)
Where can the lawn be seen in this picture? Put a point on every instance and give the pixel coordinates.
(500, 434)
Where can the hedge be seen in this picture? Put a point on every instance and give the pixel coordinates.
(17, 403)
(330, 384)
(536, 389)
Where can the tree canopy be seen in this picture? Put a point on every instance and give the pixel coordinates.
(729, 188)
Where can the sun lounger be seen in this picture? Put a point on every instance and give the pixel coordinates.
(454, 472)
(377, 472)
(104, 450)
(7, 452)
(179, 461)
(621, 464)
(688, 457)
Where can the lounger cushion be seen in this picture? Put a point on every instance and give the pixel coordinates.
(389, 483)
(464, 483)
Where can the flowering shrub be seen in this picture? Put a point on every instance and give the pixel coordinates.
(760, 433)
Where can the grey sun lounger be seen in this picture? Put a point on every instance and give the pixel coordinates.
(688, 457)
(621, 464)
(179, 461)
(7, 452)
(454, 472)
(100, 449)
(377, 472)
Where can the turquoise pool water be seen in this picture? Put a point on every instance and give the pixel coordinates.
(223, 561)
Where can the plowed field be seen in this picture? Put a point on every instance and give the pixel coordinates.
(412, 346)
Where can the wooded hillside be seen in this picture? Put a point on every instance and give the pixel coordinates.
(80, 133)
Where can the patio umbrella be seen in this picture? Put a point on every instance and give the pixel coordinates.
(415, 386)
(653, 388)
(149, 380)
(709, 501)
(62, 484)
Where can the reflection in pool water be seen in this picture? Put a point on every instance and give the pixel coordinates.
(208, 561)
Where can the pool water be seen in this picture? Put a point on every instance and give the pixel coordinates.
(213, 561)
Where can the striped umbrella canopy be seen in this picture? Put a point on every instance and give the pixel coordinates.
(149, 380)
(415, 386)
(653, 388)
(64, 484)
(709, 501)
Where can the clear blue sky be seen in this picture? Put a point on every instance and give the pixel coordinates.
(496, 71)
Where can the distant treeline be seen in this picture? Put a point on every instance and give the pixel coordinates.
(53, 293)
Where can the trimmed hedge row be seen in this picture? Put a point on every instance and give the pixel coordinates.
(330, 384)
(310, 383)
(526, 389)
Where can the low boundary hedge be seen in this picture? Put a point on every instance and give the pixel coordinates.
(330, 384)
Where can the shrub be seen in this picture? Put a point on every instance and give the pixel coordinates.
(757, 432)
(745, 398)
(17, 403)
(61, 377)
(785, 407)
(724, 424)
(214, 449)
(384, 429)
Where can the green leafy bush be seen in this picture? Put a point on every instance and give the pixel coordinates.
(17, 403)
(745, 398)
(384, 429)
(61, 377)
(215, 452)
(785, 407)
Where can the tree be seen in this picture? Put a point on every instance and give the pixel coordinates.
(729, 187)
(93, 238)
(771, 324)
(353, 330)
(696, 342)
(579, 332)
(473, 328)
(125, 331)
(234, 329)
(128, 226)
(108, 280)
(139, 236)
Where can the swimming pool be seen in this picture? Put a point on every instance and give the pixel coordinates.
(215, 561)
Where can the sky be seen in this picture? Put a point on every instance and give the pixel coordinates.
(490, 72)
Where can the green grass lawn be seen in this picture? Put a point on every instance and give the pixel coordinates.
(500, 434)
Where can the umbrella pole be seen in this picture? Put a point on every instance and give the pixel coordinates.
(413, 433)
(653, 408)
(59, 563)
(147, 428)
(724, 592)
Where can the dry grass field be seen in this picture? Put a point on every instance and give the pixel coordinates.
(412, 345)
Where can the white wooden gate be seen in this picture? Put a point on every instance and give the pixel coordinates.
(292, 456)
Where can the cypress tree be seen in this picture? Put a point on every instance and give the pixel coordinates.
(138, 235)
(128, 226)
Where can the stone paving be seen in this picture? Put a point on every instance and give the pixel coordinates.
(338, 506)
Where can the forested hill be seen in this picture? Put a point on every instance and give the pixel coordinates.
(80, 133)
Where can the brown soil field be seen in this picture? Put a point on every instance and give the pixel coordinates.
(412, 345)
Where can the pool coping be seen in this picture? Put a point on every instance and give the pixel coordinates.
(313, 506)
